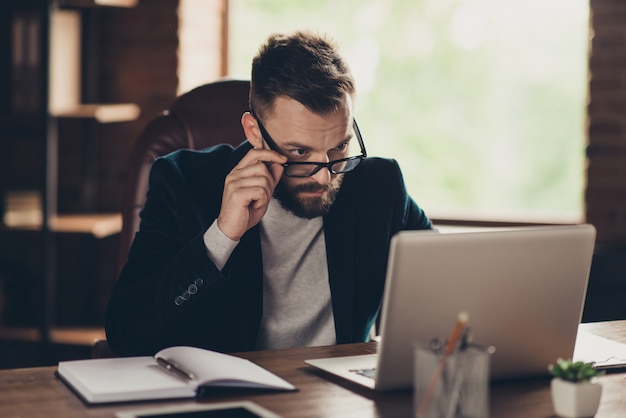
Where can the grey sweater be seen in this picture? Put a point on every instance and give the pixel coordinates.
(297, 309)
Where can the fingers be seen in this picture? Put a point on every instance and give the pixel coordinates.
(249, 184)
(277, 172)
(258, 168)
(255, 156)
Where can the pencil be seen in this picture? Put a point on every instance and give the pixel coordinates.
(457, 331)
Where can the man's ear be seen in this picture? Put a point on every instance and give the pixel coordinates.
(252, 131)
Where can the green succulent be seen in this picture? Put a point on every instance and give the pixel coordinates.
(571, 371)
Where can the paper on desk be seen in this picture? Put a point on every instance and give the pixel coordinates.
(603, 352)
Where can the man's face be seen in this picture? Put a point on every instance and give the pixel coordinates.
(305, 136)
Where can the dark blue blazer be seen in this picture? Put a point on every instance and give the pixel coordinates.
(170, 292)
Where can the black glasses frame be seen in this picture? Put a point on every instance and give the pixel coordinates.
(270, 142)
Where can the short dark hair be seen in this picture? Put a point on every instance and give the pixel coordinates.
(302, 66)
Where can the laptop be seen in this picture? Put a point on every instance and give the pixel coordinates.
(523, 288)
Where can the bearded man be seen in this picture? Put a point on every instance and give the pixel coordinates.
(280, 242)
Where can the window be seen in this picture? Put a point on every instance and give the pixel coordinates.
(482, 102)
(200, 24)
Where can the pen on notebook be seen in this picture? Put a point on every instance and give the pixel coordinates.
(456, 333)
(170, 366)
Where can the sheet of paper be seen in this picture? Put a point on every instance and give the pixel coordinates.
(605, 353)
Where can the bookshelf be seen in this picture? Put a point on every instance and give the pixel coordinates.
(45, 72)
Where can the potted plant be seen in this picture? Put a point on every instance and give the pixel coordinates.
(575, 394)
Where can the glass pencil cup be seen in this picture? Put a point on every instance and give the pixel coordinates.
(453, 386)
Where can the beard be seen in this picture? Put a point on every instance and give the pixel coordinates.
(308, 207)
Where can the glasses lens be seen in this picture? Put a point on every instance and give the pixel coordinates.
(301, 170)
(345, 165)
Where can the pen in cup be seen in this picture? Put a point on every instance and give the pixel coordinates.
(449, 348)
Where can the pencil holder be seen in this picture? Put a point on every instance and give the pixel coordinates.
(453, 386)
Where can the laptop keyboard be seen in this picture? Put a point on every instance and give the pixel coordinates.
(371, 373)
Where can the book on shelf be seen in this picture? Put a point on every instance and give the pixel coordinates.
(175, 372)
(25, 84)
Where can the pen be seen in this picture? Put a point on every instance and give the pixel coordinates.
(171, 366)
(456, 333)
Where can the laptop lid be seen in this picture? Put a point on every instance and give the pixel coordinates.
(523, 289)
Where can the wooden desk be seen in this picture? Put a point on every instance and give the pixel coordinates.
(37, 392)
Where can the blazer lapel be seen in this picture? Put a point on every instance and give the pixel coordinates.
(340, 235)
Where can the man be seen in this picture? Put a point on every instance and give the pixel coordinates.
(280, 242)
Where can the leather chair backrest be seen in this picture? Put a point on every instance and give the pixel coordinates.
(205, 116)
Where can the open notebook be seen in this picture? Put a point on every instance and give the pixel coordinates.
(523, 289)
(604, 353)
(174, 372)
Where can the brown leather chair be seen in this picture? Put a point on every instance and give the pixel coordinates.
(101, 349)
(205, 116)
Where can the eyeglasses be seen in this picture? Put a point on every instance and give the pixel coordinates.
(307, 169)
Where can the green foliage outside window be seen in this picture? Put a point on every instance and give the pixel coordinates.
(481, 101)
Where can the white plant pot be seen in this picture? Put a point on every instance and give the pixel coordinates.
(575, 400)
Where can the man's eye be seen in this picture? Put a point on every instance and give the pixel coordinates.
(342, 146)
(298, 154)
